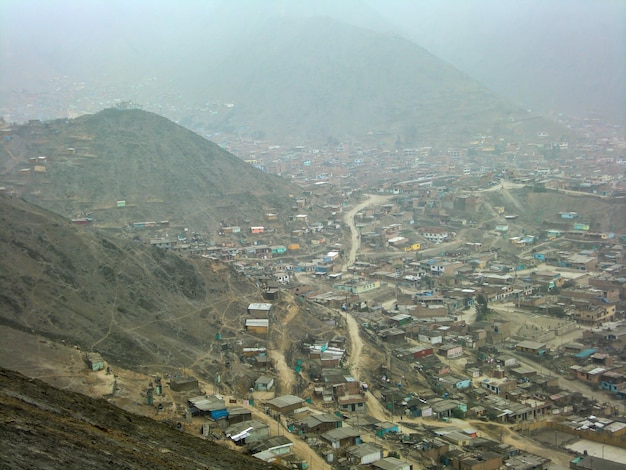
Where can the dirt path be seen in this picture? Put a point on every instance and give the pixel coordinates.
(357, 344)
(353, 326)
(520, 442)
(348, 219)
(287, 376)
(375, 408)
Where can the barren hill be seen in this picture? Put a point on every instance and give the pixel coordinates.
(134, 303)
(537, 208)
(161, 170)
(44, 427)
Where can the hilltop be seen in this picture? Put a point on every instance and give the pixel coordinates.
(160, 170)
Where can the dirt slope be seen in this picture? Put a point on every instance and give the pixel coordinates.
(44, 427)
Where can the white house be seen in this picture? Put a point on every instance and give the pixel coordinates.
(434, 234)
(263, 384)
(364, 454)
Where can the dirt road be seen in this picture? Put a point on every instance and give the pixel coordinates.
(348, 218)
(287, 376)
(299, 446)
(357, 344)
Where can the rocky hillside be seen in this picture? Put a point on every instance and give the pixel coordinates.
(133, 303)
(44, 427)
(161, 170)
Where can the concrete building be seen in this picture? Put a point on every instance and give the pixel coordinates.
(531, 347)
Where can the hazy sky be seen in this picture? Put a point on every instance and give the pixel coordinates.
(566, 54)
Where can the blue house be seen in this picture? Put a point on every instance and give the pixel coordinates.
(385, 427)
(612, 381)
(278, 250)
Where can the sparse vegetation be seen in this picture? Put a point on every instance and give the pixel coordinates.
(483, 311)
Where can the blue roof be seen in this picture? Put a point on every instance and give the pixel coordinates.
(585, 353)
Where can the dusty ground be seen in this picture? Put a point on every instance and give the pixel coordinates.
(45, 427)
(531, 325)
(348, 218)
(597, 449)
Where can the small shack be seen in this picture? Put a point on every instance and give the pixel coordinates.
(257, 325)
(208, 405)
(247, 432)
(342, 437)
(94, 361)
(238, 414)
(184, 384)
(263, 384)
(259, 310)
(285, 404)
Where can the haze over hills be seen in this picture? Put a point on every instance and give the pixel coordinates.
(550, 55)
(317, 78)
(161, 170)
(348, 82)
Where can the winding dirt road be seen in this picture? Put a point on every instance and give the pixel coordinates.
(348, 218)
(353, 325)
(374, 406)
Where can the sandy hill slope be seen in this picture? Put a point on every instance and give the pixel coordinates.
(536, 209)
(133, 303)
(161, 170)
(44, 427)
(319, 78)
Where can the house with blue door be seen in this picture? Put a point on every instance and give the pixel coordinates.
(612, 381)
(455, 382)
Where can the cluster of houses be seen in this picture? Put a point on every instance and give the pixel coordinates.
(598, 358)
(344, 443)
